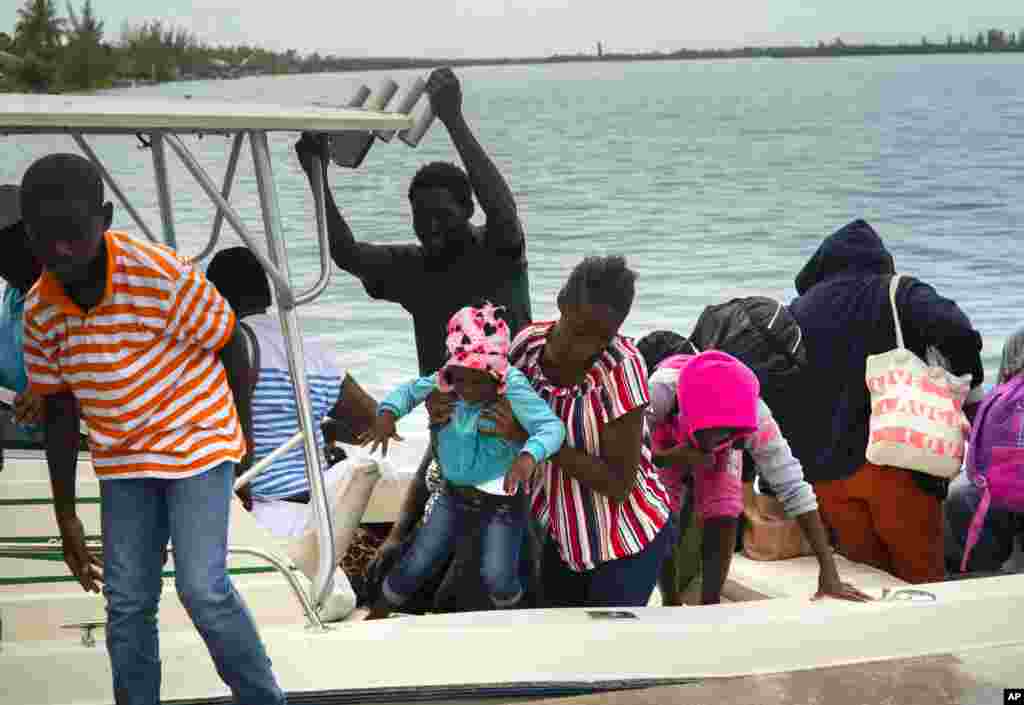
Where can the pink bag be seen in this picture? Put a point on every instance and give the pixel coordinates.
(995, 458)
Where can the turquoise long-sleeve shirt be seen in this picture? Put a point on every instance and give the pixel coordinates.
(468, 457)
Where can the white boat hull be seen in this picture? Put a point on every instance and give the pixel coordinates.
(508, 654)
(554, 646)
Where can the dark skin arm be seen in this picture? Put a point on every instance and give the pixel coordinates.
(718, 539)
(62, 437)
(829, 582)
(681, 455)
(361, 259)
(412, 506)
(613, 474)
(719, 543)
(717, 546)
(18, 267)
(505, 423)
(353, 414)
(236, 363)
(491, 189)
(409, 515)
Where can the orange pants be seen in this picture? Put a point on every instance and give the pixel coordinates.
(882, 518)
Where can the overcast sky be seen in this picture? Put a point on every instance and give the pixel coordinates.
(486, 28)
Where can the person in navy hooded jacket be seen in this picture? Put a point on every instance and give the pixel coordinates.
(883, 516)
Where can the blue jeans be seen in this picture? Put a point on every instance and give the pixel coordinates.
(502, 523)
(625, 582)
(138, 517)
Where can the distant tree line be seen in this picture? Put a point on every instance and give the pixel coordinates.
(994, 40)
(51, 52)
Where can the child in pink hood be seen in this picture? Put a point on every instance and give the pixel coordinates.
(717, 411)
(714, 413)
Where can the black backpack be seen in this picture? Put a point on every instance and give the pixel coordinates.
(763, 335)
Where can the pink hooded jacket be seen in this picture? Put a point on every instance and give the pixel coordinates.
(715, 390)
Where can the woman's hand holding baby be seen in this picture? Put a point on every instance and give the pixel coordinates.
(505, 423)
(440, 407)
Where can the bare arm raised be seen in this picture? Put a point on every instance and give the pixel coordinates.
(492, 191)
(364, 260)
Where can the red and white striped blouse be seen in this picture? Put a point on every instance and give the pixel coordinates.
(588, 527)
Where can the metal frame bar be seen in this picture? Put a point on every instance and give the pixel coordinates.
(132, 131)
(32, 549)
(163, 189)
(268, 460)
(290, 327)
(113, 185)
(319, 178)
(308, 606)
(229, 180)
(280, 281)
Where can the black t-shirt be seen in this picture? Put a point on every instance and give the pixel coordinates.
(433, 291)
(18, 260)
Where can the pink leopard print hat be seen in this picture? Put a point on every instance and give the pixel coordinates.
(479, 340)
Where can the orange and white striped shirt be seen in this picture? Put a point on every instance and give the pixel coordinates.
(142, 363)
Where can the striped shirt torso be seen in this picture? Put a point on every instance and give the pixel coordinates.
(143, 363)
(274, 413)
(588, 527)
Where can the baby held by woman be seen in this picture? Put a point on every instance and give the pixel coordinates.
(482, 472)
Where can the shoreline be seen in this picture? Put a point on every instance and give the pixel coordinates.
(357, 65)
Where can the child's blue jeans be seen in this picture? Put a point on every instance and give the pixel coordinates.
(458, 510)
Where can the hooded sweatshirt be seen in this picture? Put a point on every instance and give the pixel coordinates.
(716, 390)
(843, 310)
(713, 390)
(767, 446)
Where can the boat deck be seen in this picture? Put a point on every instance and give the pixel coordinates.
(766, 580)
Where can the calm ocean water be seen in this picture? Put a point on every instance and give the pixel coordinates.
(716, 179)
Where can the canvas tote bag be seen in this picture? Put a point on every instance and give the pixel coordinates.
(917, 419)
(768, 534)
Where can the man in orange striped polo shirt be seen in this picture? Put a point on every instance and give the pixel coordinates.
(135, 340)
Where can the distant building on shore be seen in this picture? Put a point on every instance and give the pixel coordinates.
(600, 50)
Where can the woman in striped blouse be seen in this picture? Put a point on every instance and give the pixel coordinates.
(599, 498)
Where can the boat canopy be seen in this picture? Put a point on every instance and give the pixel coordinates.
(160, 123)
(117, 115)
